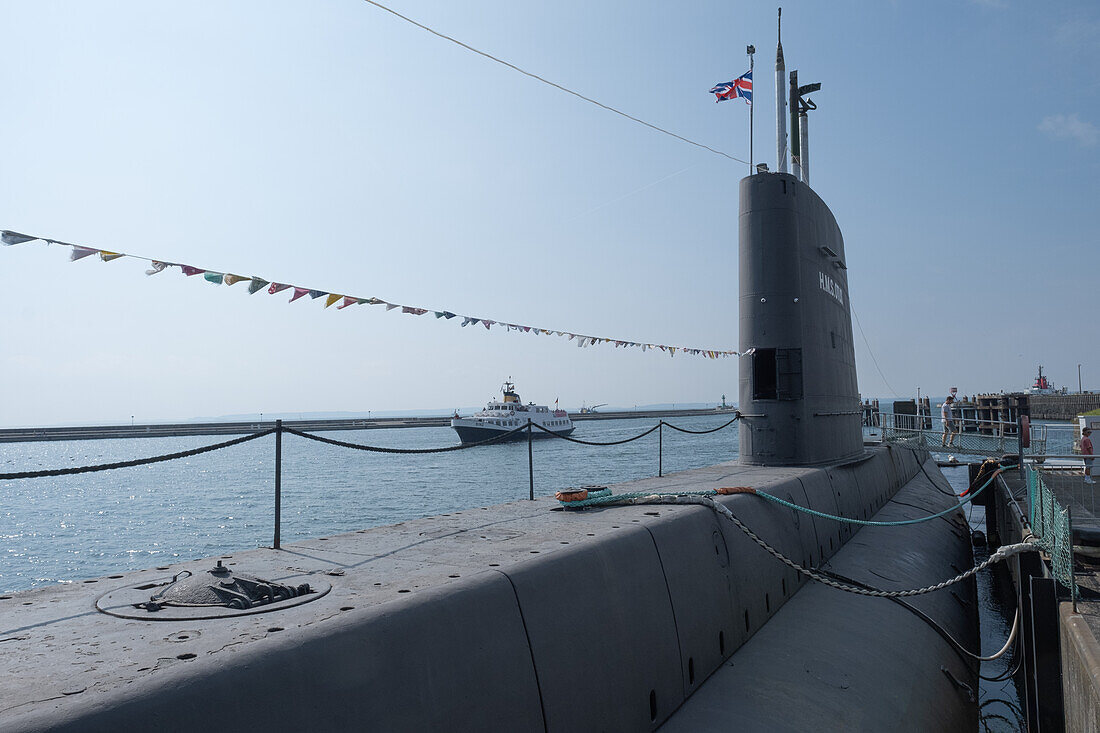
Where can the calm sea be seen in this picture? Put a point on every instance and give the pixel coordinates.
(68, 528)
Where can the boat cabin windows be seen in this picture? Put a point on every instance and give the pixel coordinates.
(777, 374)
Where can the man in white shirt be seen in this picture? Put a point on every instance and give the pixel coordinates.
(949, 428)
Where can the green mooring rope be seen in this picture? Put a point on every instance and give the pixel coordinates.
(605, 497)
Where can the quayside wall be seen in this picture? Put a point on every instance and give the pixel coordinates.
(526, 617)
(1059, 676)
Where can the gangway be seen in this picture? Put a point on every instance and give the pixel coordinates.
(924, 432)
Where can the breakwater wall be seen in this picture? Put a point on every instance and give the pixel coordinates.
(165, 430)
(1062, 406)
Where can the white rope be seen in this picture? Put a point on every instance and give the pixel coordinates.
(1002, 553)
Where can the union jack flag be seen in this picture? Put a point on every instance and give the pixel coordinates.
(739, 87)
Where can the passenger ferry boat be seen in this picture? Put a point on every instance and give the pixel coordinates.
(507, 415)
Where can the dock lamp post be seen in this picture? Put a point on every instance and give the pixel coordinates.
(1079, 390)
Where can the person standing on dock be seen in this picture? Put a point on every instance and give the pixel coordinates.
(948, 416)
(1086, 450)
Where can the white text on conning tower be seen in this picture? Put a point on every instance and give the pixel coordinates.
(831, 287)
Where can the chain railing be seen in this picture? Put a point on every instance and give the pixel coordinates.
(278, 431)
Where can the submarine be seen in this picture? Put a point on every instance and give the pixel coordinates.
(538, 616)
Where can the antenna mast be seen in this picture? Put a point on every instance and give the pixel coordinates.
(780, 103)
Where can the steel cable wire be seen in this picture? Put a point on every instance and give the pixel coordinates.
(547, 81)
(136, 462)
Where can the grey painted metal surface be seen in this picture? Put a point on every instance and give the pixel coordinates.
(798, 386)
(804, 146)
(515, 617)
(833, 661)
(780, 103)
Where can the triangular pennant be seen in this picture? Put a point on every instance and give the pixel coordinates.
(298, 293)
(362, 301)
(487, 324)
(467, 321)
(214, 277)
(234, 279)
(391, 306)
(277, 288)
(256, 285)
(448, 315)
(413, 311)
(315, 294)
(348, 300)
(375, 301)
(81, 252)
(189, 271)
(108, 256)
(156, 267)
(15, 237)
(332, 298)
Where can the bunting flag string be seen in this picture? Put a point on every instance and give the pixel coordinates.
(256, 284)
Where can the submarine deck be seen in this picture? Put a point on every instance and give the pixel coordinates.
(513, 591)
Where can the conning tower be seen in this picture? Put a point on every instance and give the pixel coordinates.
(798, 394)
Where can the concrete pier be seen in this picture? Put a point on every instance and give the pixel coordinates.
(164, 430)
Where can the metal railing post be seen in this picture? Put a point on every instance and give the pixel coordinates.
(1072, 567)
(1020, 441)
(530, 463)
(660, 448)
(278, 480)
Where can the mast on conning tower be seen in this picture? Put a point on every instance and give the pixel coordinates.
(780, 102)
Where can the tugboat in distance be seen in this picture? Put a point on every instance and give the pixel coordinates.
(500, 417)
(1042, 385)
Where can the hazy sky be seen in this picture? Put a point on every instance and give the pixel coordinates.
(332, 145)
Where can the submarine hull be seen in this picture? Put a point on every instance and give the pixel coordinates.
(517, 617)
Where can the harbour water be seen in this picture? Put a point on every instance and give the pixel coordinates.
(998, 699)
(67, 528)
